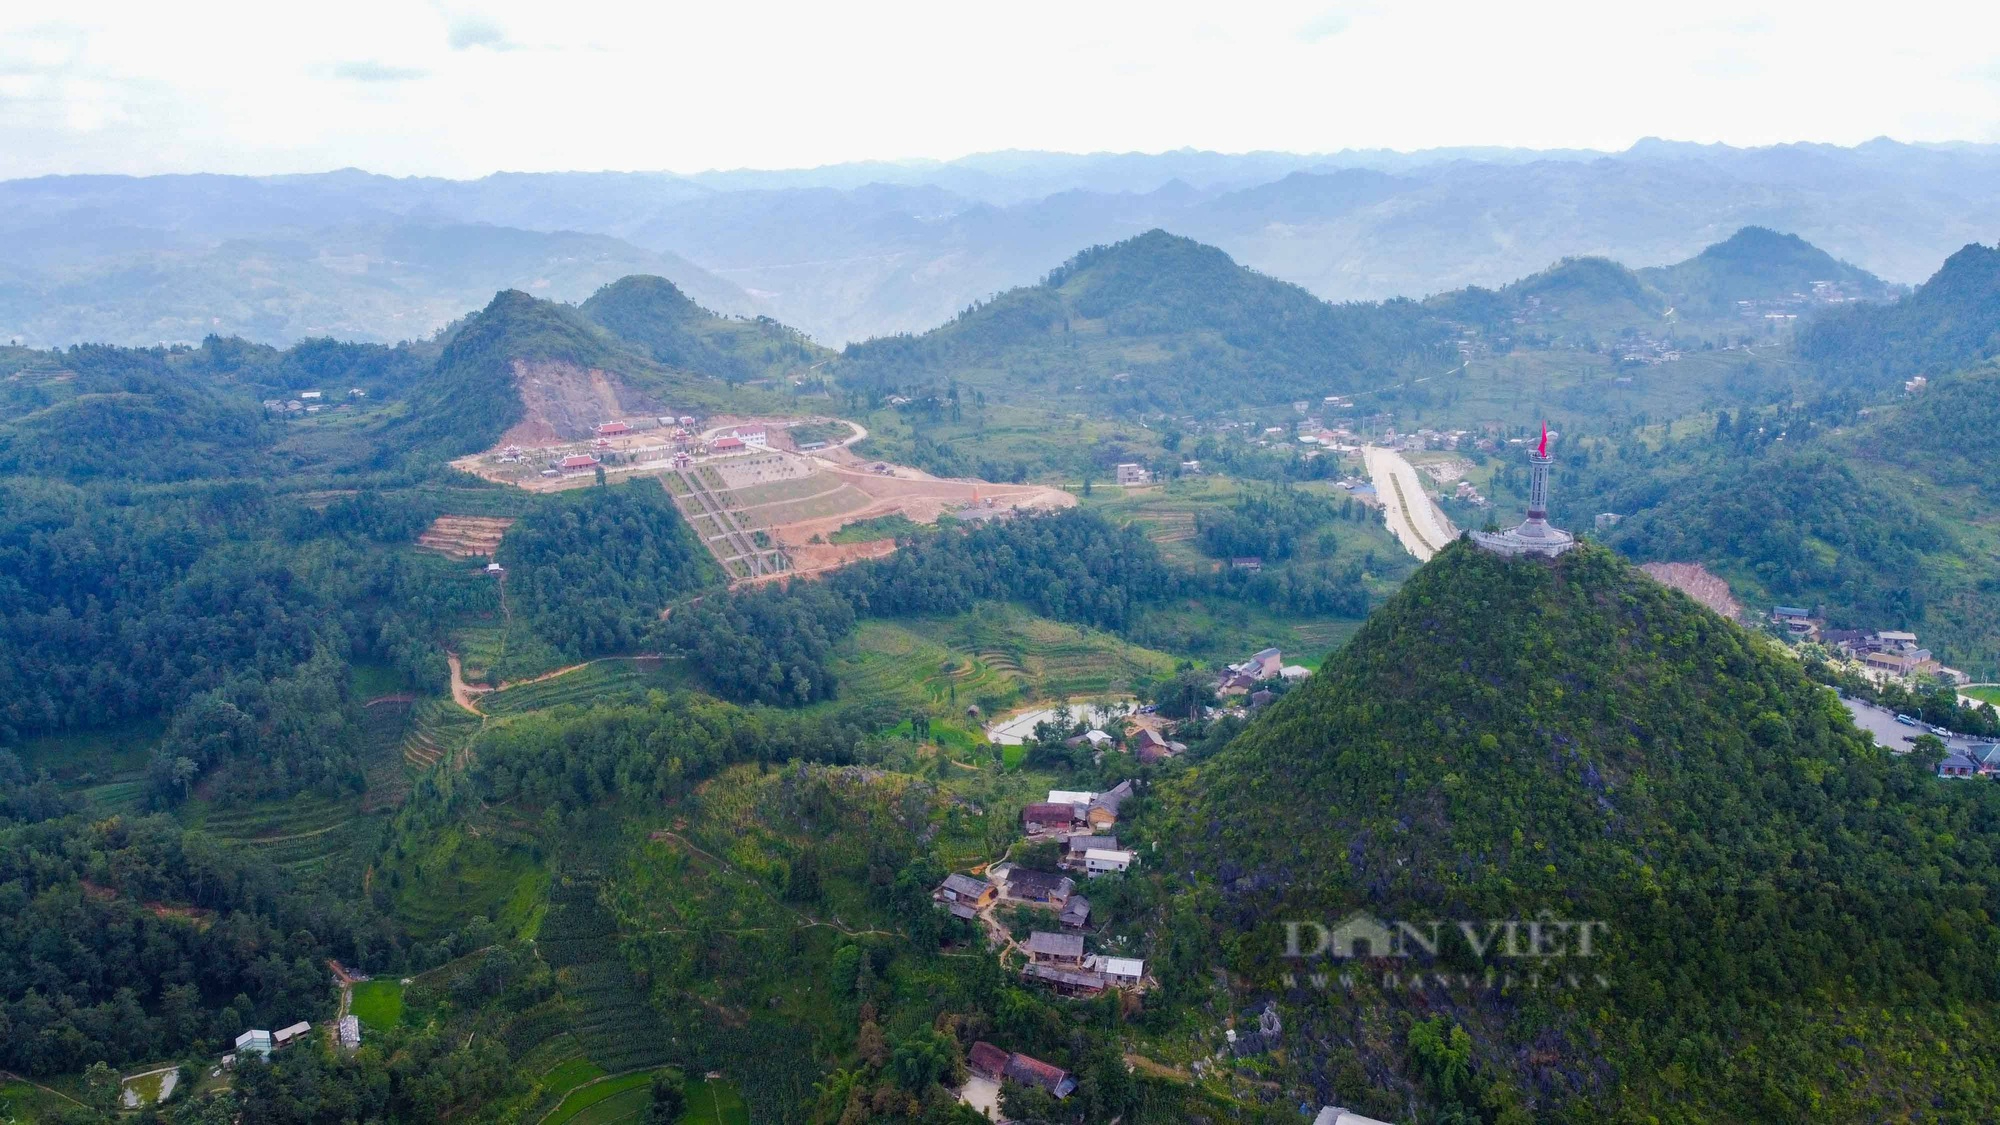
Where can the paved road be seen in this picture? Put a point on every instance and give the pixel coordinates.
(1422, 529)
(1881, 722)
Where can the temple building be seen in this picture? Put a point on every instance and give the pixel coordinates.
(1534, 535)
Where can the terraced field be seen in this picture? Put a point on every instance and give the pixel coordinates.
(387, 726)
(613, 1023)
(992, 657)
(602, 679)
(303, 834)
(890, 660)
(438, 728)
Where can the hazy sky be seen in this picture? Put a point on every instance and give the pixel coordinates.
(466, 89)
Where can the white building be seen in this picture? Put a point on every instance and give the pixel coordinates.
(754, 436)
(1131, 473)
(1100, 861)
(257, 1041)
(350, 1032)
(1124, 972)
(1070, 797)
(1334, 1115)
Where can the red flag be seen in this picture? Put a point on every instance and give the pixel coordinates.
(1542, 450)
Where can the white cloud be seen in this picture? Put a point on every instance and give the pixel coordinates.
(249, 86)
(467, 32)
(362, 70)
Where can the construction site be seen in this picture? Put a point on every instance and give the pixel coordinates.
(768, 496)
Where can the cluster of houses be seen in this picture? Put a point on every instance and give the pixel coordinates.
(1058, 961)
(997, 1065)
(1068, 810)
(1147, 744)
(740, 439)
(262, 1043)
(1248, 678)
(1888, 653)
(1978, 761)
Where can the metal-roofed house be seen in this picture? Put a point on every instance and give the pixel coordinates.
(1045, 948)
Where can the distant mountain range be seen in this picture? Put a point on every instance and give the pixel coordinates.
(852, 251)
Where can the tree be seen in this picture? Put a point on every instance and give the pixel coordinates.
(669, 1101)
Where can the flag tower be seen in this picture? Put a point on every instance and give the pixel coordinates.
(1534, 535)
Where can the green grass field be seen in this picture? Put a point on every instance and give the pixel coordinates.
(1985, 693)
(880, 527)
(378, 1003)
(626, 1098)
(28, 1103)
(715, 1101)
(457, 875)
(371, 681)
(107, 767)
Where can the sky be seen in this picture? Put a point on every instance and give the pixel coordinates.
(410, 87)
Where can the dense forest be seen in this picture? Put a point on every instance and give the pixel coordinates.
(590, 570)
(1503, 738)
(1225, 335)
(653, 314)
(1946, 324)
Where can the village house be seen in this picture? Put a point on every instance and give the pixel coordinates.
(1040, 887)
(1957, 764)
(987, 1061)
(1131, 474)
(1096, 739)
(1102, 812)
(349, 1032)
(1251, 563)
(1045, 948)
(964, 895)
(286, 1036)
(1078, 982)
(1075, 913)
(1048, 816)
(1079, 844)
(1106, 861)
(1034, 1072)
(1120, 972)
(1800, 623)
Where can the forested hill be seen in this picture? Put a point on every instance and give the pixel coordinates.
(471, 399)
(1758, 264)
(1155, 322)
(1950, 321)
(652, 314)
(1508, 737)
